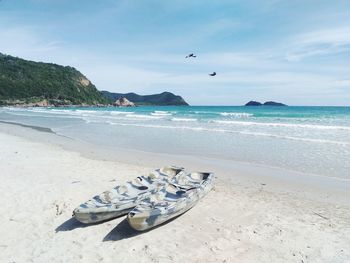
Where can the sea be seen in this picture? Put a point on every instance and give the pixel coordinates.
(312, 140)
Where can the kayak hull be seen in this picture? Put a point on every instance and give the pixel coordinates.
(122, 199)
(168, 203)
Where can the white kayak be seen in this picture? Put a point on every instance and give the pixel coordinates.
(123, 198)
(172, 200)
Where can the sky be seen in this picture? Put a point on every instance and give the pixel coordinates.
(296, 52)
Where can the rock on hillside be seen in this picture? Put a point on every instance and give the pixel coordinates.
(123, 102)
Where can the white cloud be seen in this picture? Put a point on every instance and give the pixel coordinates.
(342, 83)
(24, 41)
(320, 42)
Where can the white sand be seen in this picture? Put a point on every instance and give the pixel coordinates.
(41, 184)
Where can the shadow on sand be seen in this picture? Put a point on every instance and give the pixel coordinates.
(72, 224)
(124, 231)
(69, 225)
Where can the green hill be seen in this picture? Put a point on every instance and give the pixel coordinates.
(29, 82)
(162, 99)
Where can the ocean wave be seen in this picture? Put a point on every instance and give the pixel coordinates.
(87, 111)
(294, 138)
(288, 125)
(159, 126)
(203, 112)
(55, 112)
(121, 112)
(184, 119)
(141, 116)
(236, 114)
(10, 108)
(321, 141)
(63, 113)
(37, 114)
(161, 113)
(80, 112)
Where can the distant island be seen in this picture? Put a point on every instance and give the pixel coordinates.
(38, 84)
(162, 99)
(267, 103)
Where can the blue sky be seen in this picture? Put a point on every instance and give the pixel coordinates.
(297, 52)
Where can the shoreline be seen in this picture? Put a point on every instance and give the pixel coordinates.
(315, 146)
(37, 128)
(246, 218)
(231, 171)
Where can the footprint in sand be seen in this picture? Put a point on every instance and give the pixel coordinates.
(60, 208)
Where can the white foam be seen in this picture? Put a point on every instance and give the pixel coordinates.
(121, 112)
(88, 111)
(232, 131)
(236, 114)
(295, 138)
(140, 116)
(54, 112)
(288, 125)
(41, 115)
(184, 119)
(82, 112)
(160, 114)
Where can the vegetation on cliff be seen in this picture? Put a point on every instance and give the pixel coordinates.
(162, 99)
(29, 82)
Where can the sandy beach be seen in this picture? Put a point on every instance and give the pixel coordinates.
(244, 219)
(218, 129)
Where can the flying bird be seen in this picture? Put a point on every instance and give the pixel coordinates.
(191, 56)
(213, 74)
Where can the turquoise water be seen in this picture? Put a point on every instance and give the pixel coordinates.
(313, 140)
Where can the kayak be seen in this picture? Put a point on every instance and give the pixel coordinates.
(123, 198)
(174, 199)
